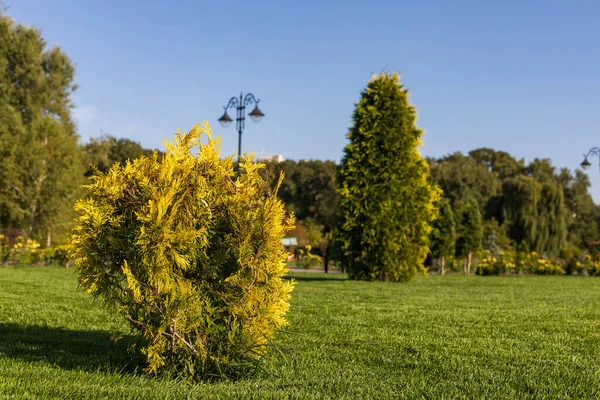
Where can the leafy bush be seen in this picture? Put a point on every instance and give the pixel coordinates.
(571, 258)
(4, 249)
(507, 261)
(546, 267)
(489, 265)
(307, 259)
(592, 266)
(189, 254)
(25, 251)
(58, 255)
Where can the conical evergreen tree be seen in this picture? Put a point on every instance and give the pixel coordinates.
(386, 198)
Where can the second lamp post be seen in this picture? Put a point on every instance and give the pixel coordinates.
(240, 105)
(594, 151)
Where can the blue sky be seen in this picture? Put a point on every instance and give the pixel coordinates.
(521, 76)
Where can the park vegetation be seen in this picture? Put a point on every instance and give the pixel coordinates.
(492, 202)
(386, 197)
(189, 254)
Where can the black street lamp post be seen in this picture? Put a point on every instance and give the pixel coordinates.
(240, 105)
(594, 151)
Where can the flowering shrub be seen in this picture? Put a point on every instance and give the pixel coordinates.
(546, 267)
(570, 259)
(25, 251)
(28, 251)
(507, 262)
(592, 266)
(308, 259)
(489, 265)
(4, 249)
(58, 255)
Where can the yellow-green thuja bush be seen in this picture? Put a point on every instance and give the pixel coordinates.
(190, 254)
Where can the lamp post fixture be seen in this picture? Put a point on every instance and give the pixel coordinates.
(240, 106)
(594, 151)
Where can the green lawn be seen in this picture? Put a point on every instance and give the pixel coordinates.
(469, 337)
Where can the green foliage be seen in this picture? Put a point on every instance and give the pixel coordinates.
(101, 153)
(535, 213)
(592, 266)
(308, 191)
(58, 255)
(494, 237)
(25, 251)
(489, 265)
(307, 259)
(315, 232)
(499, 162)
(571, 256)
(386, 199)
(546, 267)
(189, 255)
(470, 229)
(463, 179)
(443, 232)
(583, 214)
(40, 163)
(4, 249)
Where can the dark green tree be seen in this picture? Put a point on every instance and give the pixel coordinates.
(386, 198)
(521, 196)
(535, 212)
(494, 237)
(462, 179)
(103, 152)
(499, 162)
(308, 190)
(582, 213)
(41, 167)
(470, 235)
(443, 234)
(552, 216)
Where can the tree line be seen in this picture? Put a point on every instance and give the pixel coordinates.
(490, 199)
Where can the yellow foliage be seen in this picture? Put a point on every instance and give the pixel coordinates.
(189, 252)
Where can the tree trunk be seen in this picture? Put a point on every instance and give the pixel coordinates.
(443, 264)
(465, 266)
(469, 264)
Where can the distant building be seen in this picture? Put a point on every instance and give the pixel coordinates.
(278, 158)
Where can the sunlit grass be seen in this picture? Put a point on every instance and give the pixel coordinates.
(453, 336)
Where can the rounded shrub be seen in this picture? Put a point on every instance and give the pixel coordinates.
(190, 253)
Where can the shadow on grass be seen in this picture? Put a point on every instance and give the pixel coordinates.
(316, 276)
(73, 350)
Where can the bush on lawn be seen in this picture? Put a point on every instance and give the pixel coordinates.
(189, 254)
(592, 266)
(570, 257)
(541, 266)
(489, 265)
(58, 255)
(25, 251)
(307, 259)
(4, 249)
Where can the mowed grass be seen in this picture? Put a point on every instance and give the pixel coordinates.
(435, 337)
